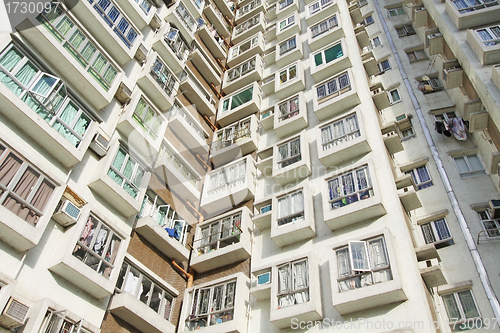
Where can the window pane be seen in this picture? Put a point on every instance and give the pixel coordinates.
(359, 258)
(333, 53)
(474, 162)
(461, 165)
(318, 59)
(451, 307)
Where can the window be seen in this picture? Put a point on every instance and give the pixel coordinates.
(491, 225)
(98, 246)
(266, 209)
(465, 6)
(334, 87)
(198, 3)
(127, 172)
(293, 283)
(79, 46)
(243, 47)
(416, 55)
(288, 45)
(329, 54)
(212, 305)
(237, 100)
(367, 20)
(219, 234)
(340, 131)
(407, 133)
(264, 278)
(318, 6)
(166, 153)
(362, 264)
(437, 233)
(242, 69)
(163, 76)
(131, 280)
(324, 26)
(394, 96)
(384, 66)
(290, 208)
(490, 36)
(177, 44)
(421, 176)
(286, 23)
(231, 134)
(147, 118)
(24, 190)
(116, 20)
(240, 28)
(460, 306)
(186, 17)
(146, 5)
(350, 187)
(445, 116)
(288, 74)
(248, 8)
(396, 11)
(289, 153)
(405, 30)
(45, 94)
(228, 177)
(284, 3)
(469, 165)
(57, 322)
(288, 109)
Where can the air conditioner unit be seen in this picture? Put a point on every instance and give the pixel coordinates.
(155, 22)
(420, 17)
(14, 314)
(141, 53)
(67, 213)
(99, 144)
(453, 77)
(495, 209)
(435, 43)
(401, 117)
(123, 93)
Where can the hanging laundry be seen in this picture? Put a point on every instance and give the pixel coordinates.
(439, 127)
(457, 127)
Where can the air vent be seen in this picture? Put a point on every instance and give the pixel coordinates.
(14, 314)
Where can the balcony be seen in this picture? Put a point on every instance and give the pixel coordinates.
(177, 173)
(142, 125)
(179, 16)
(375, 287)
(236, 140)
(229, 185)
(152, 226)
(120, 44)
(158, 82)
(380, 97)
(286, 7)
(188, 130)
(249, 10)
(196, 93)
(317, 11)
(217, 48)
(216, 18)
(97, 87)
(243, 74)
(225, 8)
(240, 104)
(125, 193)
(329, 61)
(171, 47)
(472, 14)
(291, 160)
(288, 27)
(335, 95)
(246, 49)
(205, 65)
(140, 12)
(345, 206)
(249, 28)
(136, 313)
(222, 241)
(297, 223)
(289, 51)
(290, 116)
(342, 139)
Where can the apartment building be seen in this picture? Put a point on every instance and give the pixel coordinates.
(251, 166)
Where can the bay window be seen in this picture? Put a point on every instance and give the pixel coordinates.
(350, 187)
(284, 3)
(227, 177)
(288, 45)
(288, 74)
(248, 7)
(131, 280)
(288, 22)
(212, 305)
(291, 208)
(127, 172)
(324, 26)
(45, 94)
(465, 6)
(340, 131)
(24, 190)
(328, 55)
(219, 234)
(79, 46)
(237, 100)
(405, 30)
(490, 35)
(318, 6)
(289, 108)
(362, 263)
(98, 246)
(293, 283)
(334, 87)
(242, 69)
(421, 176)
(289, 153)
(163, 76)
(147, 118)
(437, 233)
(396, 11)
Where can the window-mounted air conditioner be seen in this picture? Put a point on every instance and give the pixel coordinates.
(67, 213)
(99, 144)
(435, 43)
(495, 209)
(14, 314)
(401, 117)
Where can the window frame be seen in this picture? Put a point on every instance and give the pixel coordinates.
(417, 54)
(291, 157)
(417, 179)
(163, 76)
(240, 69)
(489, 224)
(405, 30)
(251, 22)
(288, 22)
(288, 74)
(470, 172)
(341, 139)
(219, 181)
(478, 5)
(227, 103)
(248, 7)
(287, 46)
(333, 83)
(384, 66)
(120, 173)
(290, 216)
(169, 154)
(322, 55)
(148, 126)
(186, 17)
(287, 106)
(227, 229)
(292, 283)
(252, 42)
(62, 322)
(318, 6)
(395, 11)
(359, 190)
(324, 26)
(284, 4)
(392, 100)
(459, 306)
(431, 233)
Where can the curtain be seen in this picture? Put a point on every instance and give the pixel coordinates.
(66, 118)
(359, 256)
(301, 281)
(352, 124)
(203, 301)
(343, 81)
(338, 129)
(423, 175)
(378, 254)
(284, 278)
(43, 195)
(442, 229)
(343, 265)
(230, 291)
(88, 51)
(295, 147)
(77, 39)
(26, 73)
(326, 134)
(334, 188)
(64, 26)
(297, 202)
(23, 189)
(361, 175)
(283, 207)
(9, 168)
(348, 182)
(99, 63)
(331, 86)
(217, 299)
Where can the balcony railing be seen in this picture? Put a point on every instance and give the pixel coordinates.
(218, 239)
(163, 77)
(184, 75)
(232, 139)
(176, 44)
(178, 111)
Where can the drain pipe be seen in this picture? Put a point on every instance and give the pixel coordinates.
(444, 177)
